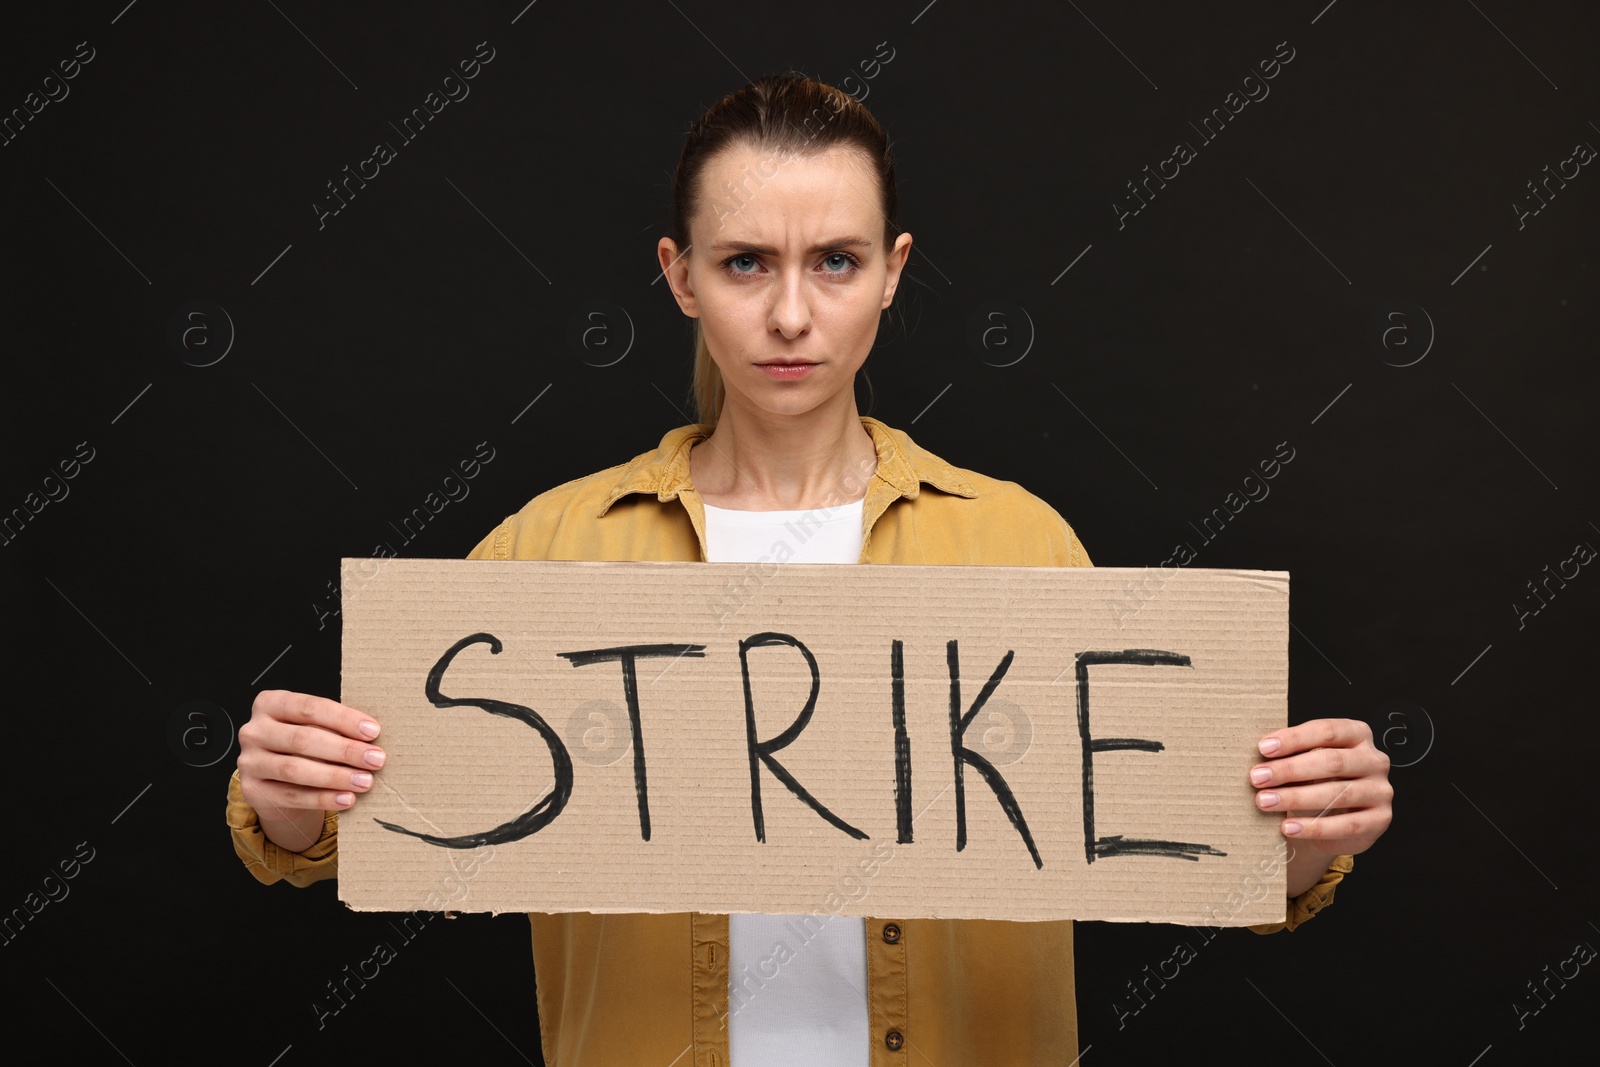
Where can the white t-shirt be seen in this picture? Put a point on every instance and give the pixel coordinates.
(797, 984)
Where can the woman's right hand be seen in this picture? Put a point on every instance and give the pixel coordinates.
(301, 755)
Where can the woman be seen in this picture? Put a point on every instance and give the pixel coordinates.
(784, 248)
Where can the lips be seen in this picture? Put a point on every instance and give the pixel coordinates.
(789, 370)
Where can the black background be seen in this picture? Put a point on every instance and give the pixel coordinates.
(1233, 313)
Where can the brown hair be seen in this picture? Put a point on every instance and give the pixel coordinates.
(787, 114)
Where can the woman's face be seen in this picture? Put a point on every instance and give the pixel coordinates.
(788, 272)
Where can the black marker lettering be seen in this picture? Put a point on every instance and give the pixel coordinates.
(902, 742)
(964, 756)
(542, 813)
(1118, 845)
(761, 751)
(627, 655)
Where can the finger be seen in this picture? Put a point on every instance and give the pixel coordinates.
(1322, 797)
(317, 743)
(312, 710)
(299, 772)
(1318, 763)
(282, 798)
(1363, 826)
(1318, 733)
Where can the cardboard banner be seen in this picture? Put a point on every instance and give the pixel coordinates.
(1020, 743)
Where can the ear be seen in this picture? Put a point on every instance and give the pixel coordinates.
(675, 268)
(896, 261)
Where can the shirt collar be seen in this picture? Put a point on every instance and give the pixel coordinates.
(902, 464)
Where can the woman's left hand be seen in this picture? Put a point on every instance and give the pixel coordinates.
(1330, 781)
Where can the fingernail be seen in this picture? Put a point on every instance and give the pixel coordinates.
(1260, 776)
(369, 729)
(375, 757)
(344, 800)
(1270, 745)
(1291, 827)
(1266, 800)
(362, 780)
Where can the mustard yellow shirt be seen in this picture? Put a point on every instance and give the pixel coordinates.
(653, 989)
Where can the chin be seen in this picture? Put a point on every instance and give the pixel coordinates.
(785, 402)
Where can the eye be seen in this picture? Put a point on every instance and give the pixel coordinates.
(845, 263)
(850, 265)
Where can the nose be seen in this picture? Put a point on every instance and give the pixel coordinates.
(791, 307)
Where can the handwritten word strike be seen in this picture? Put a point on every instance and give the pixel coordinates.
(762, 752)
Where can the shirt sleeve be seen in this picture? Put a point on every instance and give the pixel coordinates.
(496, 544)
(1077, 555)
(270, 862)
(1065, 548)
(1313, 900)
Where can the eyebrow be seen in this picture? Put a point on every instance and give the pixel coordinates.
(768, 250)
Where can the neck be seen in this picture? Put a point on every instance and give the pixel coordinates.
(758, 461)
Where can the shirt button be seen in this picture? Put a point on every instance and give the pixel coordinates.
(894, 1040)
(891, 933)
